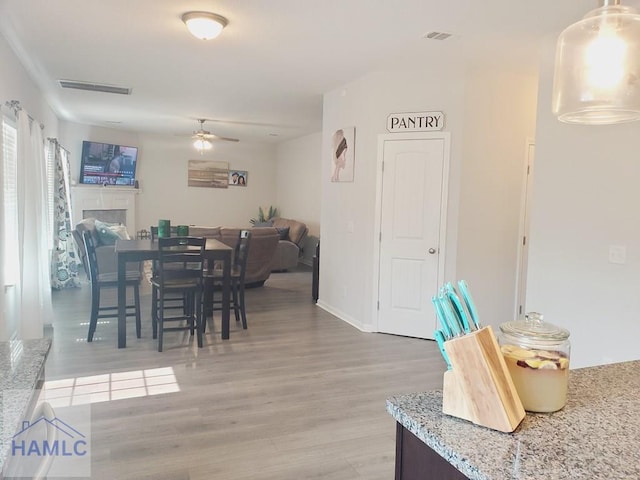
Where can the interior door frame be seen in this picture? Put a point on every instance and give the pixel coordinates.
(382, 138)
(523, 229)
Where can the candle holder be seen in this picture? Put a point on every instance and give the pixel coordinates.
(164, 228)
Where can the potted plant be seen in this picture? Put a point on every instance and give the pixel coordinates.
(264, 217)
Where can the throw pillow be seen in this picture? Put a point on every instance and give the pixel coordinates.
(121, 231)
(283, 232)
(106, 236)
(109, 233)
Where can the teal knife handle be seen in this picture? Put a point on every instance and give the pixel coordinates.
(439, 336)
(441, 317)
(466, 295)
(458, 309)
(452, 321)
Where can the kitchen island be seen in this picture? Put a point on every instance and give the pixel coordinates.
(595, 436)
(21, 376)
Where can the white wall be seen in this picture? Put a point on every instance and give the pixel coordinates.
(15, 84)
(346, 260)
(499, 117)
(299, 180)
(162, 173)
(490, 115)
(586, 198)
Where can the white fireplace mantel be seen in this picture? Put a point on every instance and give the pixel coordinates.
(96, 197)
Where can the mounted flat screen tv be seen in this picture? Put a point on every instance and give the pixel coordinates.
(108, 164)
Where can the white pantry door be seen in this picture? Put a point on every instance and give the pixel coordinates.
(412, 233)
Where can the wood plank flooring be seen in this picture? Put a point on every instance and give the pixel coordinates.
(299, 395)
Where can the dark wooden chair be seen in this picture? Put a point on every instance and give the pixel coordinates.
(108, 280)
(174, 302)
(179, 272)
(238, 271)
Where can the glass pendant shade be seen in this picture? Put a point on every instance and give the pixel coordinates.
(597, 68)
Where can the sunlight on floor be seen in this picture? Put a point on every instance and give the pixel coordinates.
(110, 386)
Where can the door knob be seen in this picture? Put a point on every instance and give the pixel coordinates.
(432, 251)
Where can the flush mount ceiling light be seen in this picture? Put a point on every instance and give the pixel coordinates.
(597, 68)
(204, 25)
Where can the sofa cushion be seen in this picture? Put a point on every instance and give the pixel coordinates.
(268, 223)
(206, 232)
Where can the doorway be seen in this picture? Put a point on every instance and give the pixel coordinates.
(523, 246)
(411, 226)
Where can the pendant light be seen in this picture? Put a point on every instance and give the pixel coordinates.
(597, 68)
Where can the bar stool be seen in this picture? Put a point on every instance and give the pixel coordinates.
(179, 271)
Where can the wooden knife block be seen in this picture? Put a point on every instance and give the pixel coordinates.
(479, 388)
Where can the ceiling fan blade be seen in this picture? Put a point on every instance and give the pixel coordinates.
(226, 139)
(203, 134)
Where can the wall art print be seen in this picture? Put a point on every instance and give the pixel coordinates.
(207, 173)
(343, 155)
(238, 178)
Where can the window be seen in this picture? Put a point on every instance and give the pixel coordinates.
(10, 193)
(49, 155)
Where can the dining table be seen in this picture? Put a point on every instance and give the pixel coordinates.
(145, 249)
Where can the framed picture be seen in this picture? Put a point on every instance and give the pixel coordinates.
(238, 178)
(343, 154)
(206, 173)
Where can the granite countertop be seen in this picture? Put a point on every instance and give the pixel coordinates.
(21, 364)
(595, 436)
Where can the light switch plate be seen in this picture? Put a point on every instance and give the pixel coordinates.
(618, 254)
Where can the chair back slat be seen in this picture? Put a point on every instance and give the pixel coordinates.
(180, 259)
(242, 253)
(91, 256)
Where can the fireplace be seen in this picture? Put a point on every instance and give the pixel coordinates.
(109, 204)
(109, 215)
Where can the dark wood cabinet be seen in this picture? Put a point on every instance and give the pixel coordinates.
(416, 461)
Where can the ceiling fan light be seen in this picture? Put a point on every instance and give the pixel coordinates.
(204, 25)
(597, 68)
(202, 144)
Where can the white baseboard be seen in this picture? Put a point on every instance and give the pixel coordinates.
(344, 317)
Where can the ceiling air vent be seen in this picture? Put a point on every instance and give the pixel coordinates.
(95, 87)
(437, 35)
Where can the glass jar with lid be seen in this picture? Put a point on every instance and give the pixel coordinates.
(537, 356)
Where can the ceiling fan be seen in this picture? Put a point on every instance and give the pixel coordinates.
(202, 138)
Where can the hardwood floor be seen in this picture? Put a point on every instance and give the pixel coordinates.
(299, 395)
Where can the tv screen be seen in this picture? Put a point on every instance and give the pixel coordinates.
(108, 164)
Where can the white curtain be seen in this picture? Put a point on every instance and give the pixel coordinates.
(4, 333)
(34, 289)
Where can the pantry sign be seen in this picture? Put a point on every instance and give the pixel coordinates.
(415, 122)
